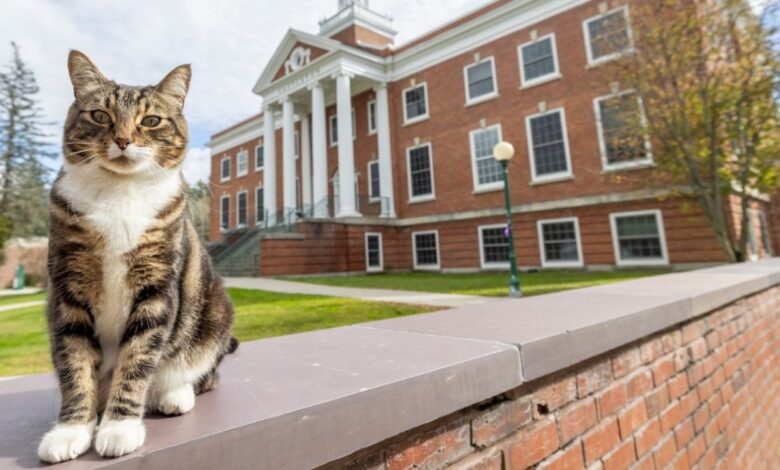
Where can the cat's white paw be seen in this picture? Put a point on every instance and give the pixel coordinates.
(117, 438)
(178, 401)
(66, 442)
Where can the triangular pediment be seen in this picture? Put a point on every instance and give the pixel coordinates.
(296, 51)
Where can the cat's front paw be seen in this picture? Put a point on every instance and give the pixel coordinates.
(178, 401)
(66, 442)
(117, 438)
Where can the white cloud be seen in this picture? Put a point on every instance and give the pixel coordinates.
(139, 41)
(197, 165)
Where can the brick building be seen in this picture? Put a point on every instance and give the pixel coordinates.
(369, 156)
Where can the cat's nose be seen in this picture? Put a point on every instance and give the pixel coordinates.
(122, 142)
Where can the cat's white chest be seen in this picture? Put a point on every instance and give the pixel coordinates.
(121, 210)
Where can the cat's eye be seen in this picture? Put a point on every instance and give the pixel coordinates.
(150, 121)
(101, 117)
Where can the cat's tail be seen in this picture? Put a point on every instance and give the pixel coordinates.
(233, 345)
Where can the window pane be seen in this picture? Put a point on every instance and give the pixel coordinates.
(420, 171)
(259, 205)
(415, 103)
(425, 249)
(480, 79)
(638, 237)
(259, 156)
(608, 35)
(334, 130)
(226, 168)
(548, 145)
(560, 241)
(242, 163)
(495, 245)
(538, 59)
(374, 179)
(488, 169)
(242, 209)
(373, 251)
(621, 129)
(225, 213)
(371, 117)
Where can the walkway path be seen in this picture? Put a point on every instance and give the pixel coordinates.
(32, 303)
(376, 295)
(25, 291)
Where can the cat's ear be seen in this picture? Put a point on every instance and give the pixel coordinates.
(84, 75)
(176, 83)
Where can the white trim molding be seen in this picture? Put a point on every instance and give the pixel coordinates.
(586, 31)
(619, 261)
(426, 267)
(422, 117)
(482, 262)
(638, 163)
(550, 177)
(554, 75)
(580, 262)
(426, 197)
(381, 267)
(488, 96)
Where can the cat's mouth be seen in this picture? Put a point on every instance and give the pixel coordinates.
(122, 164)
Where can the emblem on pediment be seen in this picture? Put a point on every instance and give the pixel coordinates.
(299, 58)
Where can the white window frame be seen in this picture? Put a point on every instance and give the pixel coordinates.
(332, 129)
(422, 117)
(372, 131)
(238, 196)
(257, 214)
(586, 31)
(605, 165)
(418, 267)
(222, 177)
(560, 264)
(242, 153)
(222, 212)
(483, 187)
(261, 167)
(553, 177)
(479, 99)
(663, 261)
(427, 197)
(370, 197)
(544, 78)
(381, 267)
(482, 263)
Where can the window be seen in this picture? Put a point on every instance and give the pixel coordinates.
(374, 258)
(607, 35)
(538, 61)
(297, 144)
(371, 117)
(426, 250)
(373, 181)
(242, 163)
(559, 242)
(480, 81)
(298, 196)
(259, 157)
(241, 209)
(224, 213)
(416, 103)
(619, 120)
(639, 238)
(766, 240)
(225, 168)
(334, 129)
(259, 205)
(420, 173)
(487, 172)
(548, 146)
(494, 246)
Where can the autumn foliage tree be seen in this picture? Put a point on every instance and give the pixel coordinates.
(706, 74)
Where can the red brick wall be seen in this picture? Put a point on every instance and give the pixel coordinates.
(705, 394)
(357, 35)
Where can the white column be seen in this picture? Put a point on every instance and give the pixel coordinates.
(269, 165)
(288, 157)
(306, 160)
(319, 151)
(346, 148)
(385, 161)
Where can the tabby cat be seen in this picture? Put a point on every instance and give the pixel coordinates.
(137, 317)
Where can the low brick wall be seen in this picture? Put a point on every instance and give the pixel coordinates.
(704, 394)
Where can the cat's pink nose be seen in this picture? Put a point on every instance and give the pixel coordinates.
(122, 142)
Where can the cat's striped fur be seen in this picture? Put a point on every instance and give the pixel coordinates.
(137, 317)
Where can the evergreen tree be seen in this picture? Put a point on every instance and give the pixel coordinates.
(24, 178)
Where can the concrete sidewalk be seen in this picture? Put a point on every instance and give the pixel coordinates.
(33, 303)
(376, 295)
(25, 291)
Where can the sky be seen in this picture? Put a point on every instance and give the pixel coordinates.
(137, 42)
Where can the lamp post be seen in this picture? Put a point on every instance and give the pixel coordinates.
(503, 153)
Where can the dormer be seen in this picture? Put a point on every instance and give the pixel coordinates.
(356, 24)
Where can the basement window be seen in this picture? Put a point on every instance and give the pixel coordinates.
(559, 243)
(494, 246)
(374, 258)
(426, 250)
(638, 238)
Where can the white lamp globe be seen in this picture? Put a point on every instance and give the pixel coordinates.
(503, 151)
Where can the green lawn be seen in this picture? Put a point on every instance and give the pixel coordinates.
(24, 344)
(18, 299)
(487, 284)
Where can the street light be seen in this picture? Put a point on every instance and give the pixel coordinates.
(503, 153)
